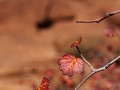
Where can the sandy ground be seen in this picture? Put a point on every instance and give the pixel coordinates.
(24, 47)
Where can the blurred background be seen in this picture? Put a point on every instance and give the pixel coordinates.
(35, 33)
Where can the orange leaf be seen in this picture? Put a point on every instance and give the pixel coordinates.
(44, 84)
(76, 43)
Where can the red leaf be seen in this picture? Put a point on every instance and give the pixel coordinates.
(69, 65)
(76, 43)
(44, 84)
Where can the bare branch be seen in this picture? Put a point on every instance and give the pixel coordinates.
(89, 64)
(108, 64)
(85, 79)
(97, 70)
(107, 15)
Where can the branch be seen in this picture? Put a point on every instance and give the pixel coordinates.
(107, 15)
(89, 64)
(85, 79)
(97, 70)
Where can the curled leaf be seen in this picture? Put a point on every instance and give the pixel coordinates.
(44, 84)
(76, 43)
(69, 64)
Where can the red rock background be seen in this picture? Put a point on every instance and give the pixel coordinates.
(24, 48)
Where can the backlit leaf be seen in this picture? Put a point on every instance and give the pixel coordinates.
(76, 43)
(69, 65)
(44, 84)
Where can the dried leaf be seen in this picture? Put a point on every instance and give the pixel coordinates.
(69, 65)
(76, 43)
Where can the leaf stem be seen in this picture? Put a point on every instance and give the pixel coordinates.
(78, 49)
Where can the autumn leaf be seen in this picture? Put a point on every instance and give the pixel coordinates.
(44, 84)
(76, 43)
(69, 65)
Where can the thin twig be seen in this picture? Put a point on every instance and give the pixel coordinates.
(97, 70)
(108, 64)
(107, 15)
(89, 64)
(85, 79)
(78, 50)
